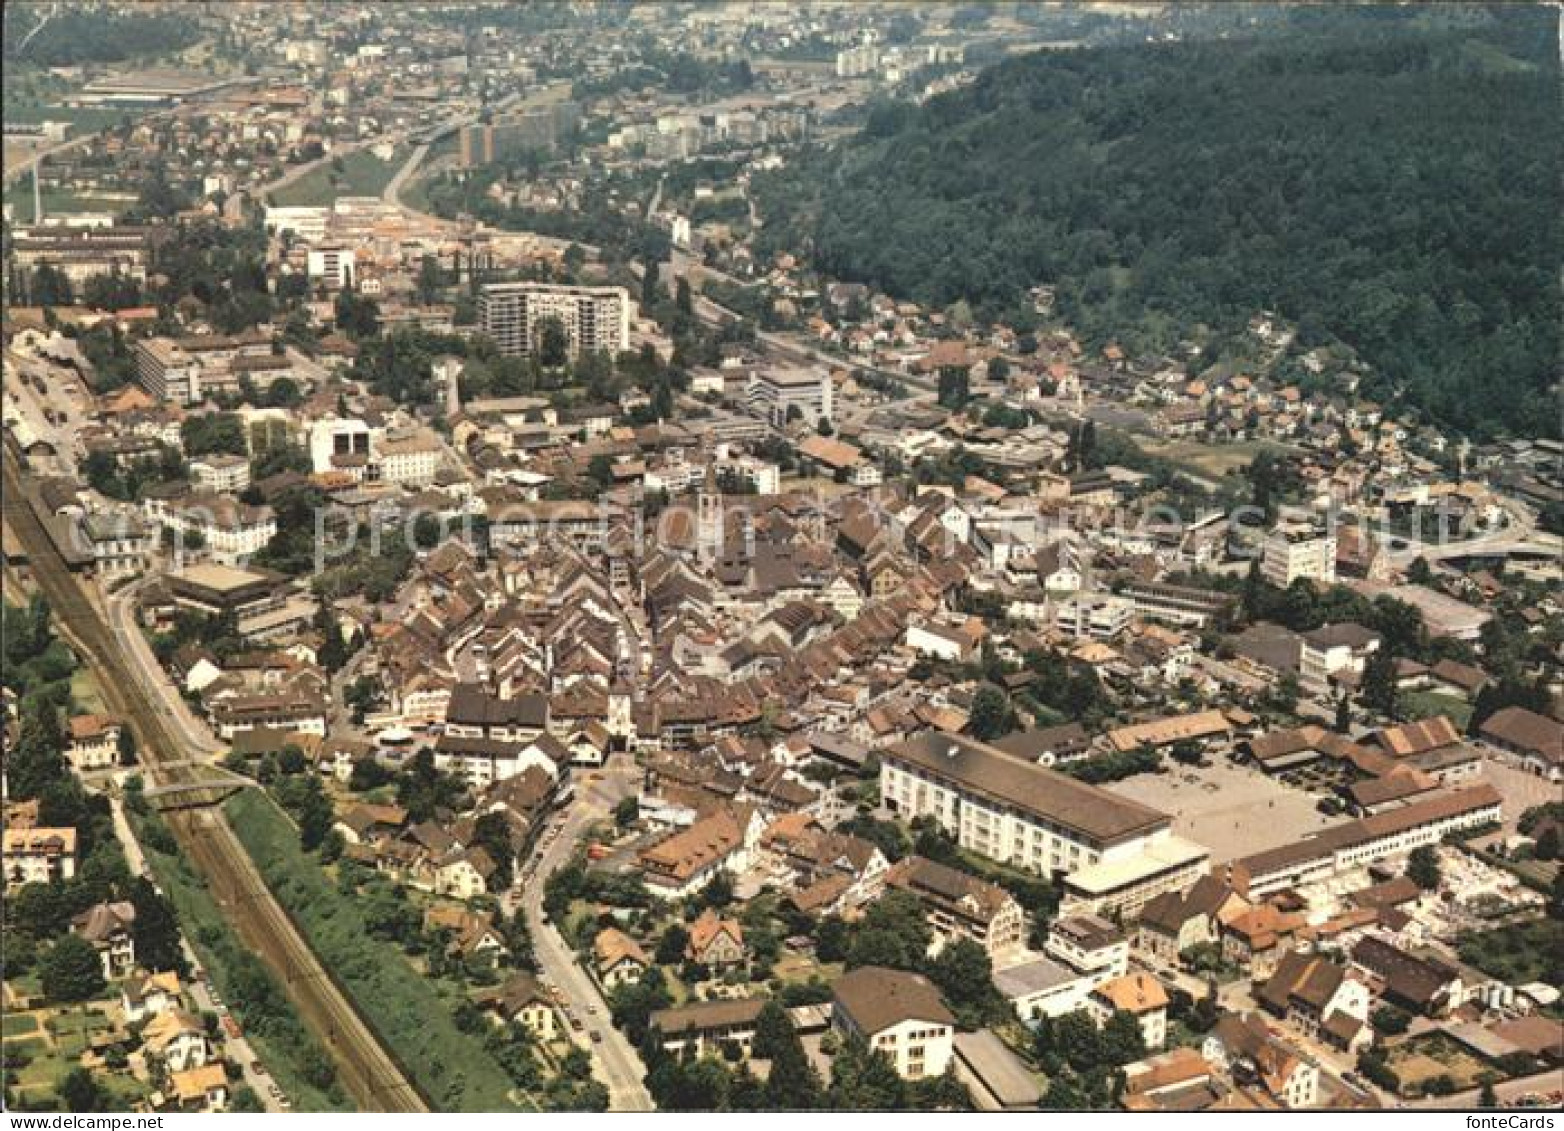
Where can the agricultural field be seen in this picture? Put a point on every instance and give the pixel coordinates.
(1432, 1059)
(1213, 461)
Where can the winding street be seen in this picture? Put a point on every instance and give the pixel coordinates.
(174, 710)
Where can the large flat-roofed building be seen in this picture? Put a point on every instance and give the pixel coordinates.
(595, 319)
(1176, 604)
(213, 590)
(1032, 817)
(155, 87)
(1298, 549)
(1361, 843)
(777, 393)
(81, 253)
(167, 371)
(185, 370)
(332, 265)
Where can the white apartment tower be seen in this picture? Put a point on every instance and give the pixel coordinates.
(1299, 549)
(595, 318)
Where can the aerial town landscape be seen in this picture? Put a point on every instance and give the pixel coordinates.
(746, 556)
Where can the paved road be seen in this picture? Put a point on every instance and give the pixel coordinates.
(614, 1061)
(366, 1069)
(1518, 533)
(172, 706)
(391, 194)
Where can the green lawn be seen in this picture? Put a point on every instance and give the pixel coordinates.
(84, 689)
(406, 1009)
(17, 1025)
(44, 1074)
(1426, 704)
(19, 195)
(279, 1038)
(73, 1030)
(363, 174)
(83, 119)
(25, 1046)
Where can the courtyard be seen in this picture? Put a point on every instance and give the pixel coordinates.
(1233, 810)
(1521, 791)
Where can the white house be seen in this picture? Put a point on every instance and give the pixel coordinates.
(899, 1014)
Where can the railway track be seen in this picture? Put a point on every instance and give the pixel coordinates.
(367, 1069)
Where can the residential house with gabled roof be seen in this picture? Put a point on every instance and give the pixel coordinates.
(148, 996)
(1254, 1057)
(1174, 921)
(92, 742)
(1320, 998)
(715, 941)
(960, 906)
(618, 958)
(464, 873)
(472, 934)
(800, 855)
(523, 1000)
(1258, 938)
(1140, 995)
(200, 1089)
(177, 1040)
(108, 927)
(686, 861)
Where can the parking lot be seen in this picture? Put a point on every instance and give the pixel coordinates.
(1521, 791)
(1232, 810)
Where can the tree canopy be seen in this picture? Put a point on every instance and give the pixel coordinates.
(1381, 176)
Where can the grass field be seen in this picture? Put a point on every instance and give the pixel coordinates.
(83, 119)
(73, 1030)
(19, 195)
(1425, 704)
(84, 690)
(408, 1010)
(1213, 461)
(232, 968)
(17, 1025)
(363, 174)
(43, 1075)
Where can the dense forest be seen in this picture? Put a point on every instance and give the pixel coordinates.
(57, 36)
(1386, 177)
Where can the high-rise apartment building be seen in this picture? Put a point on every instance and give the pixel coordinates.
(595, 319)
